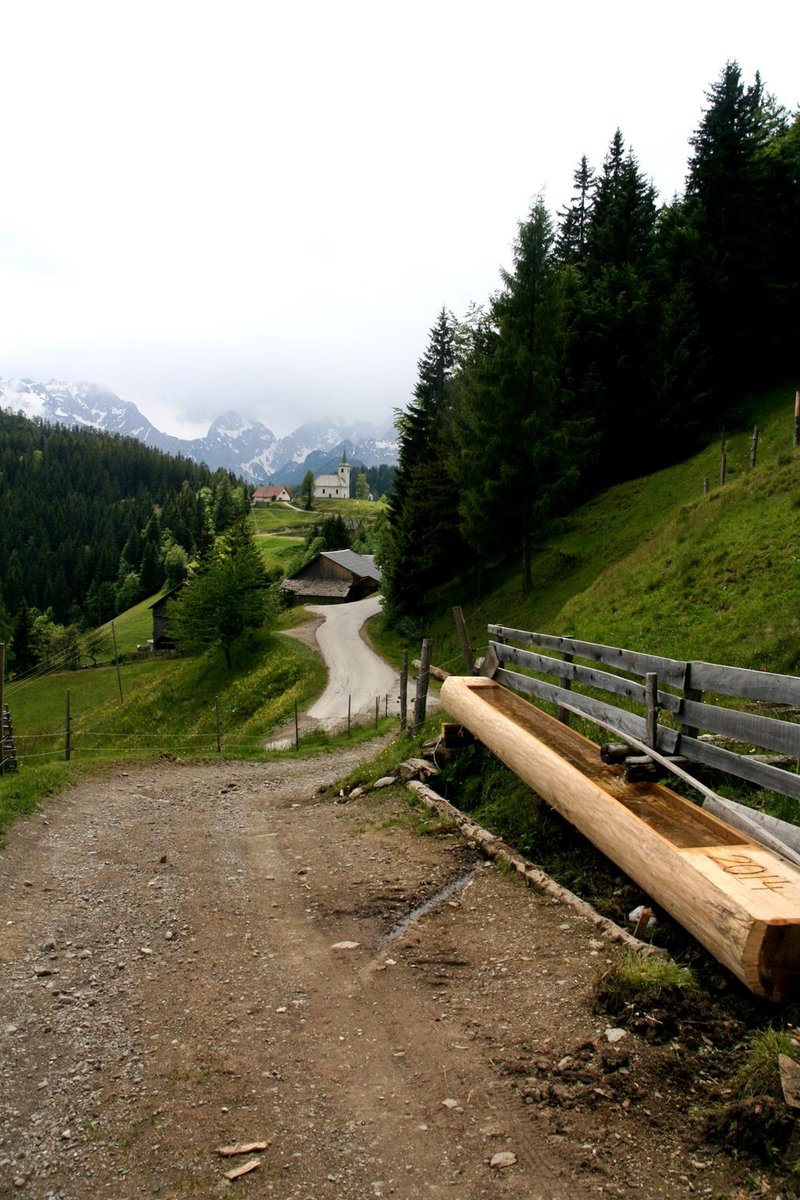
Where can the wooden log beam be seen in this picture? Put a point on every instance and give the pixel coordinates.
(736, 897)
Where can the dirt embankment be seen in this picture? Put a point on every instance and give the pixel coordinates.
(195, 956)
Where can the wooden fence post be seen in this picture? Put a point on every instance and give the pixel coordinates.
(563, 714)
(463, 637)
(421, 699)
(705, 486)
(754, 447)
(690, 693)
(67, 732)
(651, 694)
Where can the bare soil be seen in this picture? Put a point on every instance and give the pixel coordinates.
(173, 980)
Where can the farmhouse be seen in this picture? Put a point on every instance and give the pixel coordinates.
(336, 486)
(333, 577)
(269, 494)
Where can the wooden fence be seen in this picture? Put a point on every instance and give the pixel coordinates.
(661, 685)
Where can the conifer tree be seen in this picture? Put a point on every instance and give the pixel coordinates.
(570, 246)
(618, 314)
(730, 200)
(423, 548)
(514, 419)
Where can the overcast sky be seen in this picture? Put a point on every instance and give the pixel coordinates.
(263, 206)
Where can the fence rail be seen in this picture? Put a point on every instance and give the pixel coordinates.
(518, 667)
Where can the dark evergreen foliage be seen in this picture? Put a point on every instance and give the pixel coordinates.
(608, 353)
(85, 514)
(380, 480)
(330, 534)
(518, 445)
(728, 187)
(423, 546)
(573, 228)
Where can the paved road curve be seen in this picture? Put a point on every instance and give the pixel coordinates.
(354, 670)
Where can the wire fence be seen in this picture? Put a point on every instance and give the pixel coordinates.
(70, 743)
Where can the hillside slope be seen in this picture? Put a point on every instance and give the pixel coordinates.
(655, 564)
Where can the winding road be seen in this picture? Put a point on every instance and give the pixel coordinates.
(355, 671)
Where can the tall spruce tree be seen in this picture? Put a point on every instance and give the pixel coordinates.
(520, 447)
(618, 314)
(423, 549)
(730, 201)
(570, 245)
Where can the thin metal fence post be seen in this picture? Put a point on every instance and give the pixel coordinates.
(404, 691)
(463, 638)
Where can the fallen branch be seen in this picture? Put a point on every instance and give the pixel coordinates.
(436, 672)
(495, 848)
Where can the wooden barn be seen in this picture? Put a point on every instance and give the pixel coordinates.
(333, 577)
(161, 638)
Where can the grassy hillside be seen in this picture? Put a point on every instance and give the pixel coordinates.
(656, 565)
(167, 704)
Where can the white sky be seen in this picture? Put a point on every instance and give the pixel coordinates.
(213, 204)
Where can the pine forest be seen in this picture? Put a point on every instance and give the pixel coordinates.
(622, 336)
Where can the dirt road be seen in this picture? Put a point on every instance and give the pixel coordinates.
(198, 955)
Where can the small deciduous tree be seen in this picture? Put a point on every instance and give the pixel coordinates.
(176, 565)
(307, 489)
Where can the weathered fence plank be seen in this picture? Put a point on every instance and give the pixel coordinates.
(766, 686)
(747, 727)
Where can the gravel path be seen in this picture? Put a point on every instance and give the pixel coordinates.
(195, 956)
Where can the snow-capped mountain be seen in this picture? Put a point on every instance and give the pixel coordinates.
(234, 442)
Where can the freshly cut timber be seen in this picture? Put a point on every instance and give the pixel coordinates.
(739, 899)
